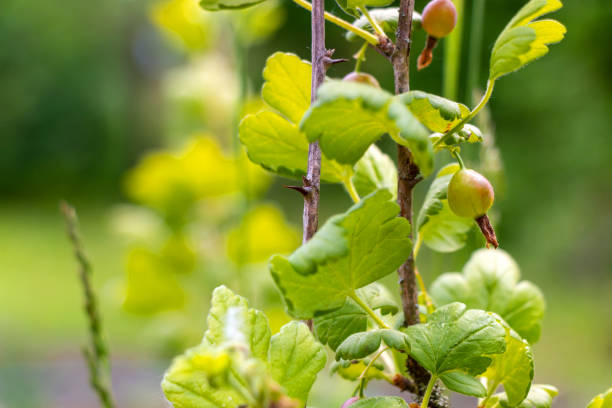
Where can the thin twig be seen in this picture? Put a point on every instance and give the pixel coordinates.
(96, 354)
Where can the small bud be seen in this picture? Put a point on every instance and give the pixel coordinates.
(363, 78)
(350, 401)
(439, 18)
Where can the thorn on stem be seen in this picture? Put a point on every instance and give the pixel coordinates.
(304, 191)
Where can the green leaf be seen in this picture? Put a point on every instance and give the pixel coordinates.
(540, 396)
(387, 20)
(273, 139)
(513, 369)
(152, 286)
(287, 85)
(380, 402)
(295, 359)
(524, 40)
(349, 117)
(246, 243)
(463, 384)
(360, 345)
(437, 225)
(230, 319)
(490, 281)
(334, 327)
(456, 339)
(350, 251)
(374, 171)
(200, 378)
(602, 400)
(438, 114)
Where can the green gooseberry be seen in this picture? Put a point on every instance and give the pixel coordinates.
(470, 194)
(363, 78)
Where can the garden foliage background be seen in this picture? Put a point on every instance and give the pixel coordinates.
(87, 89)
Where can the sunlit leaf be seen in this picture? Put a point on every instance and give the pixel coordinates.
(246, 243)
(437, 225)
(287, 85)
(524, 40)
(490, 281)
(184, 21)
(351, 370)
(152, 286)
(272, 139)
(295, 359)
(320, 275)
(200, 378)
(456, 339)
(438, 114)
(513, 369)
(249, 324)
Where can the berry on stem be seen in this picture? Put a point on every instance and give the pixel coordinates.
(439, 20)
(470, 195)
(363, 78)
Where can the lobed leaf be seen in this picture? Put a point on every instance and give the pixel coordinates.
(455, 339)
(524, 40)
(295, 359)
(319, 275)
(437, 225)
(490, 281)
(272, 139)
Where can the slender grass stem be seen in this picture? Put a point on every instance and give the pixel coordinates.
(96, 354)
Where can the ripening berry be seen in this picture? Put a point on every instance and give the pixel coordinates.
(350, 401)
(470, 194)
(363, 78)
(439, 18)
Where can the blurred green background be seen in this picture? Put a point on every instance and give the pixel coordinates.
(86, 90)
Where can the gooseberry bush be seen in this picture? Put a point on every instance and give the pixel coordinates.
(468, 332)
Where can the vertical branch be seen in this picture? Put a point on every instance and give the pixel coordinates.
(96, 354)
(312, 180)
(408, 172)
